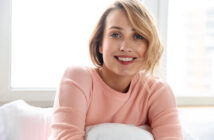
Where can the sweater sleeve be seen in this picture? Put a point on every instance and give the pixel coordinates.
(70, 105)
(163, 113)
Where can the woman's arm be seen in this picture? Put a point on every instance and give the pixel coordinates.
(70, 106)
(163, 114)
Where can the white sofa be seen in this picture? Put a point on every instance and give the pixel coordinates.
(21, 121)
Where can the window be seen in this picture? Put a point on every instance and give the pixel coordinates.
(47, 36)
(190, 49)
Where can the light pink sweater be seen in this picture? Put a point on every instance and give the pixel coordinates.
(84, 99)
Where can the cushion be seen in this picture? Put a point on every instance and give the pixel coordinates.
(117, 131)
(21, 121)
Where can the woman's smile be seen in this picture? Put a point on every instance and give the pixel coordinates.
(125, 60)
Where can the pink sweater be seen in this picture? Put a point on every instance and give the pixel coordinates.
(84, 99)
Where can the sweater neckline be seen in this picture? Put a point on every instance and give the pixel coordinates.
(112, 91)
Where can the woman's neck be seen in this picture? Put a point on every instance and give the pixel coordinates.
(115, 81)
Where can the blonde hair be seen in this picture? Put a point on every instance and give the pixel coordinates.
(142, 22)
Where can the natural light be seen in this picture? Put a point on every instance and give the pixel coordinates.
(190, 48)
(49, 35)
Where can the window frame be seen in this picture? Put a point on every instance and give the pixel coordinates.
(45, 97)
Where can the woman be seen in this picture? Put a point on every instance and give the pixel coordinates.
(125, 49)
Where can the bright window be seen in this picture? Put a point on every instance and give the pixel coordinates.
(47, 36)
(190, 48)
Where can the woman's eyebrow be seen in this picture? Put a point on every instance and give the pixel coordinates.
(115, 27)
(119, 28)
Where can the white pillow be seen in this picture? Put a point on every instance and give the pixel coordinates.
(117, 131)
(21, 121)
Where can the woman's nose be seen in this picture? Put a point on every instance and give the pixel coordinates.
(126, 46)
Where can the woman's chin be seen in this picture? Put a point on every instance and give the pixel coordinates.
(127, 73)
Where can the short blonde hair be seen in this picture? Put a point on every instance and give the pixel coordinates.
(142, 22)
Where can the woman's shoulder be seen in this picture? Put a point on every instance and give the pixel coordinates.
(75, 82)
(157, 88)
(152, 82)
(79, 74)
(78, 69)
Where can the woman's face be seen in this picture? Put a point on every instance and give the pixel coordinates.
(122, 47)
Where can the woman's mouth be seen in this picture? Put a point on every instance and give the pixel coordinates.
(125, 60)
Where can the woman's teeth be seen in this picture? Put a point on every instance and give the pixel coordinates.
(125, 59)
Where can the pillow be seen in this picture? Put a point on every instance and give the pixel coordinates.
(117, 131)
(21, 121)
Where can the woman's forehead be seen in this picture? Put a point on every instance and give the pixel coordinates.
(118, 19)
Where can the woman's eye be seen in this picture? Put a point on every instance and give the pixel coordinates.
(115, 35)
(137, 36)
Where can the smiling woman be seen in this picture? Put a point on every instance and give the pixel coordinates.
(121, 88)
